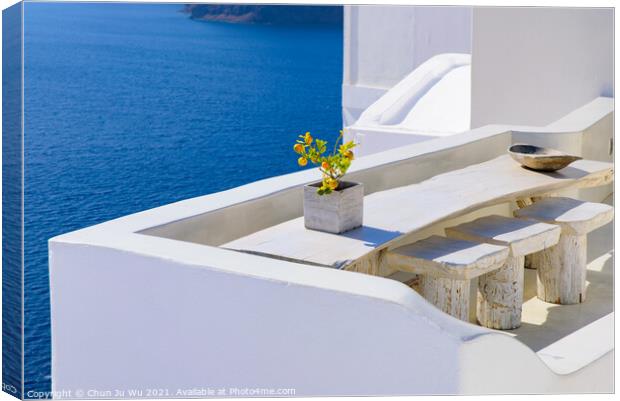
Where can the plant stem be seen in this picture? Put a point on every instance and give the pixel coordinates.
(336, 143)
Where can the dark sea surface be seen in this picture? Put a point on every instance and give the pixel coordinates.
(133, 106)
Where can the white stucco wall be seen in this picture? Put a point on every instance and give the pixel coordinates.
(382, 44)
(533, 65)
(156, 323)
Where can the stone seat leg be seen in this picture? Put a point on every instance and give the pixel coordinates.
(500, 292)
(446, 267)
(561, 270)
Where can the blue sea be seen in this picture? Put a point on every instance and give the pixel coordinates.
(133, 106)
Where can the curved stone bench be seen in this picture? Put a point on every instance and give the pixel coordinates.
(500, 292)
(562, 268)
(446, 267)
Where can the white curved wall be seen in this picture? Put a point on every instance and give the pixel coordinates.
(138, 320)
(382, 44)
(432, 101)
(149, 322)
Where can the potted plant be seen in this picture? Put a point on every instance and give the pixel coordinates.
(331, 205)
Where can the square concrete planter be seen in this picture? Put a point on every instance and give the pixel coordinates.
(340, 211)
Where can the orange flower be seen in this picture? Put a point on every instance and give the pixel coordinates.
(298, 148)
(302, 161)
(308, 138)
(325, 166)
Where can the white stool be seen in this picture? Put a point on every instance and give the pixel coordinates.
(500, 292)
(446, 266)
(562, 269)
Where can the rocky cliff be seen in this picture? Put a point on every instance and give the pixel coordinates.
(272, 14)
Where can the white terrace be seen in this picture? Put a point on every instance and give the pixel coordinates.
(162, 293)
(213, 292)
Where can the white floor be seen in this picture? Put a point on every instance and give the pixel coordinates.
(544, 323)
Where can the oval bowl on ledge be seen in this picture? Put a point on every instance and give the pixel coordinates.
(539, 158)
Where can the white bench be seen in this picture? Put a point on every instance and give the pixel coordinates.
(446, 267)
(562, 268)
(500, 292)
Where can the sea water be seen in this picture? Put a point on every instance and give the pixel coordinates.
(133, 106)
